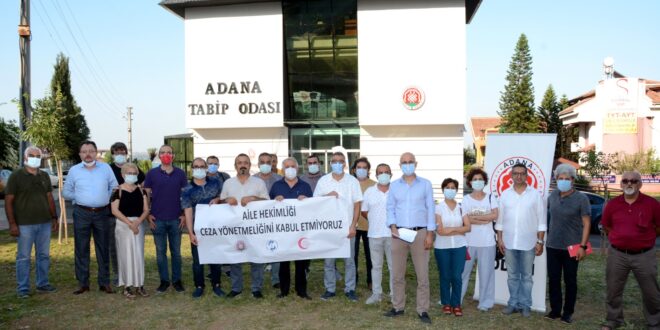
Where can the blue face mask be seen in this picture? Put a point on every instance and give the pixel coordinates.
(478, 185)
(119, 159)
(564, 185)
(449, 193)
(265, 168)
(337, 168)
(199, 173)
(361, 173)
(213, 168)
(408, 169)
(384, 179)
(313, 169)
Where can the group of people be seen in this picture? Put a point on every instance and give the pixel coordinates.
(115, 203)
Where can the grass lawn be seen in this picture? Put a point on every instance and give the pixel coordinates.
(62, 310)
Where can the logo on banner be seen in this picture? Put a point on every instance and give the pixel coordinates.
(501, 179)
(240, 245)
(413, 98)
(303, 244)
(272, 245)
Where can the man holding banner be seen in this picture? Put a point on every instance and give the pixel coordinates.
(520, 226)
(292, 188)
(347, 190)
(244, 189)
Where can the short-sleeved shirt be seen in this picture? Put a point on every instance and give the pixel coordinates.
(312, 179)
(252, 187)
(348, 189)
(362, 222)
(632, 226)
(374, 201)
(30, 196)
(166, 192)
(194, 194)
(117, 172)
(566, 219)
(274, 177)
(481, 235)
(282, 188)
(450, 219)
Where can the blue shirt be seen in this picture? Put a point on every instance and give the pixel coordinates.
(194, 194)
(282, 188)
(90, 187)
(411, 205)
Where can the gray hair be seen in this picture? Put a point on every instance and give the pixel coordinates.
(295, 161)
(565, 169)
(634, 173)
(31, 148)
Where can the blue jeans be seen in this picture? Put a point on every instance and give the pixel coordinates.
(85, 224)
(198, 270)
(39, 236)
(168, 230)
(519, 267)
(256, 274)
(330, 272)
(450, 266)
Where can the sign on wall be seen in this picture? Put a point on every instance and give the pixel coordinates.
(620, 100)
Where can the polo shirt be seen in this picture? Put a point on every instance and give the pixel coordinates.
(120, 180)
(312, 179)
(282, 188)
(30, 196)
(274, 177)
(566, 219)
(348, 189)
(166, 192)
(632, 226)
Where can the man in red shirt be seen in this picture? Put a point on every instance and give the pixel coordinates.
(632, 223)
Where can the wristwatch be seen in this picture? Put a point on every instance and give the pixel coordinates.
(584, 247)
(539, 241)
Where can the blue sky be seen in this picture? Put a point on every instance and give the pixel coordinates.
(130, 53)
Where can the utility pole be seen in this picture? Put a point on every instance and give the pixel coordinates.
(129, 117)
(24, 35)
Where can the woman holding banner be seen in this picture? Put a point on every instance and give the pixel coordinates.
(450, 248)
(570, 222)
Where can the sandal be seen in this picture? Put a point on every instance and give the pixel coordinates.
(458, 311)
(142, 292)
(128, 293)
(446, 309)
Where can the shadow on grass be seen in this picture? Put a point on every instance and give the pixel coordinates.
(171, 310)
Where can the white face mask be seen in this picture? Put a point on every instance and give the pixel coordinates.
(130, 178)
(33, 162)
(313, 168)
(290, 173)
(90, 164)
(119, 159)
(199, 173)
(384, 179)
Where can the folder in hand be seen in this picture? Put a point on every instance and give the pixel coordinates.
(572, 249)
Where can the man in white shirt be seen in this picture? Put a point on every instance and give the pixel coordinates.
(244, 189)
(521, 226)
(374, 210)
(347, 189)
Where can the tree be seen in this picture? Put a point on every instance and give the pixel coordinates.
(567, 134)
(549, 117)
(597, 165)
(517, 99)
(47, 130)
(76, 130)
(9, 140)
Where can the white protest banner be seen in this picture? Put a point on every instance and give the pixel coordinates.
(536, 152)
(272, 231)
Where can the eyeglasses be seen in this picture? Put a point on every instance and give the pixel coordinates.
(131, 173)
(518, 173)
(630, 181)
(197, 167)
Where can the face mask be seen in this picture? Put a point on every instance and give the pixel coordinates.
(361, 173)
(155, 164)
(449, 193)
(290, 173)
(384, 179)
(119, 159)
(629, 191)
(478, 185)
(166, 159)
(213, 168)
(337, 168)
(564, 185)
(89, 164)
(199, 173)
(313, 169)
(265, 168)
(34, 162)
(408, 169)
(130, 178)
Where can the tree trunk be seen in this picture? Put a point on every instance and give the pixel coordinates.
(62, 218)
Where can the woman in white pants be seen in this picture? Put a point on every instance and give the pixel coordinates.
(480, 209)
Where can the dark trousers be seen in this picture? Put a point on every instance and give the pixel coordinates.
(645, 268)
(198, 270)
(560, 261)
(300, 277)
(85, 224)
(112, 249)
(362, 234)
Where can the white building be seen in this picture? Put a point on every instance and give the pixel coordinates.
(282, 77)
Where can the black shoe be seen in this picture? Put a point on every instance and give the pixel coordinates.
(281, 295)
(424, 317)
(393, 313)
(228, 273)
(306, 297)
(163, 287)
(81, 290)
(233, 294)
(257, 294)
(567, 319)
(276, 286)
(551, 316)
(178, 286)
(106, 289)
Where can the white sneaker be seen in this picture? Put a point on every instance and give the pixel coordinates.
(375, 298)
